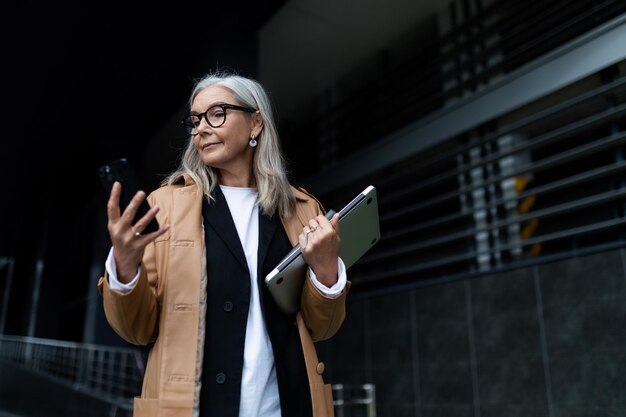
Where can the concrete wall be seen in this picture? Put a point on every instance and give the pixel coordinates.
(548, 340)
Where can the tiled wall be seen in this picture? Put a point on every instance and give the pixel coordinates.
(548, 340)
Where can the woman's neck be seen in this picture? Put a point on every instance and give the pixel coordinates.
(238, 179)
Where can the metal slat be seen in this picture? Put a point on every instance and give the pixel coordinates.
(547, 212)
(532, 143)
(570, 135)
(467, 256)
(581, 151)
(614, 87)
(582, 57)
(536, 191)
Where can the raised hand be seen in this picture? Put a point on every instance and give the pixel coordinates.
(128, 241)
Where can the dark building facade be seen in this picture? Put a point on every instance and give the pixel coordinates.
(493, 132)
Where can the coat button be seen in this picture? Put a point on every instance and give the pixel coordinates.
(228, 306)
(220, 378)
(320, 368)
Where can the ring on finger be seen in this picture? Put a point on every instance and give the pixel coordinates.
(131, 206)
(137, 234)
(305, 238)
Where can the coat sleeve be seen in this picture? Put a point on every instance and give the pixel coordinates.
(323, 316)
(134, 315)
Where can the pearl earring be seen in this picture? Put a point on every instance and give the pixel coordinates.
(252, 142)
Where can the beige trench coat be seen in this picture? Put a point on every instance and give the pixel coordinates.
(168, 304)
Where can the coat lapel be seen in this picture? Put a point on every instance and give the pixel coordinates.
(220, 219)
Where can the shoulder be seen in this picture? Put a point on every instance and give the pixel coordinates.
(305, 199)
(306, 207)
(166, 192)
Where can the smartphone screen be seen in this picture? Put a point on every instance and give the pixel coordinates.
(121, 171)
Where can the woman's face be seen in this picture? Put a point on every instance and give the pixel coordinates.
(225, 147)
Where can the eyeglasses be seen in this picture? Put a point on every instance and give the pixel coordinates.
(215, 116)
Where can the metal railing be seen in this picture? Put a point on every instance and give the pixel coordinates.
(108, 373)
(6, 277)
(115, 374)
(354, 400)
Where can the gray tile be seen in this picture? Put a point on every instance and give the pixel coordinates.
(391, 349)
(446, 383)
(355, 317)
(586, 327)
(443, 343)
(390, 311)
(447, 410)
(588, 411)
(505, 315)
(345, 353)
(513, 382)
(508, 334)
(513, 410)
(589, 380)
(395, 410)
(347, 373)
(508, 291)
(593, 278)
(584, 314)
(444, 302)
(393, 386)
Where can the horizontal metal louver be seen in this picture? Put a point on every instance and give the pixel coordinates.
(557, 167)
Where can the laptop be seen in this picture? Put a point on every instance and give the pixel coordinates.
(359, 229)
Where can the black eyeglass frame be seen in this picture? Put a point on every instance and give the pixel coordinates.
(224, 106)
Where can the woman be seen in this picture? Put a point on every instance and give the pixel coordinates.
(195, 288)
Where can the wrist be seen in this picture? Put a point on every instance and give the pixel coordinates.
(126, 275)
(327, 278)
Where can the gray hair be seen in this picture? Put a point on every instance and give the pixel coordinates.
(268, 166)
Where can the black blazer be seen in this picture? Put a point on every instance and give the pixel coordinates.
(228, 301)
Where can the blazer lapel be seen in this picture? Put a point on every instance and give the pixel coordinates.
(267, 229)
(219, 218)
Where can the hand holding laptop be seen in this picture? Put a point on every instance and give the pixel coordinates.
(319, 245)
(360, 231)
